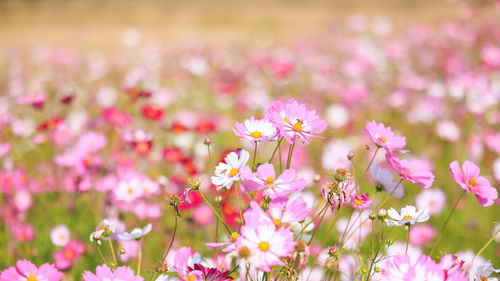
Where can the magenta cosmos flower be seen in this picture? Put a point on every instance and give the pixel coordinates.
(256, 130)
(104, 273)
(26, 271)
(409, 171)
(383, 136)
(69, 255)
(294, 120)
(468, 178)
(265, 178)
(361, 201)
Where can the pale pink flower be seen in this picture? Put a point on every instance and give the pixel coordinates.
(256, 130)
(294, 120)
(383, 136)
(265, 178)
(282, 211)
(433, 200)
(228, 172)
(409, 171)
(181, 261)
(266, 244)
(104, 273)
(468, 178)
(26, 271)
(422, 233)
(60, 235)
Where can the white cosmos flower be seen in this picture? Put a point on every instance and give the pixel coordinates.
(384, 178)
(60, 235)
(228, 172)
(482, 272)
(409, 216)
(136, 233)
(256, 130)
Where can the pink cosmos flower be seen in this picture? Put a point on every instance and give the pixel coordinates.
(104, 273)
(294, 120)
(383, 136)
(25, 270)
(265, 178)
(281, 212)
(421, 234)
(181, 259)
(409, 171)
(69, 255)
(265, 244)
(361, 202)
(433, 200)
(468, 178)
(256, 130)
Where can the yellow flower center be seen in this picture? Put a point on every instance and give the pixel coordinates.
(407, 217)
(270, 182)
(472, 182)
(234, 236)
(384, 139)
(277, 222)
(142, 146)
(297, 127)
(408, 169)
(31, 278)
(130, 190)
(190, 277)
(256, 135)
(264, 246)
(243, 252)
(357, 201)
(233, 172)
(69, 254)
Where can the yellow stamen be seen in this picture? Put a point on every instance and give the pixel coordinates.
(357, 201)
(256, 135)
(264, 246)
(190, 277)
(297, 127)
(243, 252)
(31, 278)
(472, 182)
(407, 217)
(233, 172)
(234, 236)
(270, 182)
(277, 222)
(69, 254)
(384, 139)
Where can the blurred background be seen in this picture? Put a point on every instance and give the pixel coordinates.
(100, 24)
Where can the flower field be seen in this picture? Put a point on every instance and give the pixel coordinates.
(369, 152)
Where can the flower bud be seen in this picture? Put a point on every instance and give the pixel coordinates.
(317, 178)
(350, 155)
(372, 216)
(122, 251)
(332, 251)
(382, 214)
(207, 141)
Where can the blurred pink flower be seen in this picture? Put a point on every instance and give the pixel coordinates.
(68, 256)
(25, 270)
(421, 234)
(410, 172)
(104, 273)
(383, 136)
(433, 200)
(468, 178)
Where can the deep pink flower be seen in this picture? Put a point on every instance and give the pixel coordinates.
(361, 201)
(409, 171)
(294, 120)
(104, 273)
(383, 136)
(25, 270)
(468, 178)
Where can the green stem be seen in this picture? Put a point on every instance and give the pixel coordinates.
(304, 228)
(290, 155)
(164, 256)
(254, 155)
(446, 222)
(486, 245)
(239, 205)
(317, 227)
(215, 212)
(139, 262)
(373, 158)
(100, 253)
(112, 251)
(275, 149)
(408, 239)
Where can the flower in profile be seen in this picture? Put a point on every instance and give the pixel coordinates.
(409, 171)
(69, 255)
(104, 273)
(383, 137)
(483, 272)
(408, 216)
(256, 130)
(383, 179)
(468, 178)
(228, 172)
(25, 270)
(294, 120)
(104, 229)
(136, 233)
(60, 235)
(265, 178)
(361, 202)
(181, 259)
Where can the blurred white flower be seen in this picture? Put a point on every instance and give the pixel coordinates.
(136, 233)
(60, 235)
